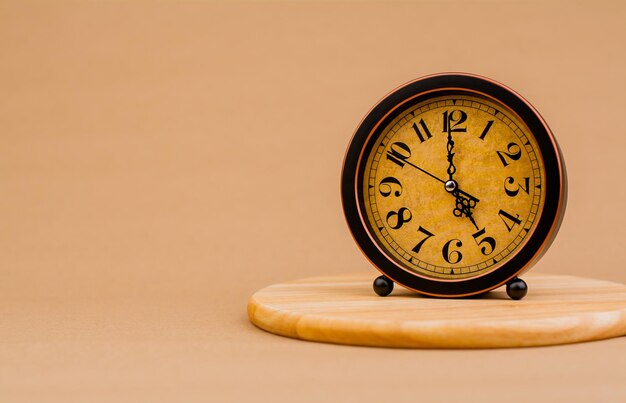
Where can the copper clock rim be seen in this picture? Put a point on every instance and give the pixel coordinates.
(467, 87)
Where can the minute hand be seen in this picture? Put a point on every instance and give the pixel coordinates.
(439, 179)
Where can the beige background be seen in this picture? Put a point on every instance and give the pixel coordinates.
(159, 162)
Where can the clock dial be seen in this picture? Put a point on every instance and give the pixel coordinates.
(452, 185)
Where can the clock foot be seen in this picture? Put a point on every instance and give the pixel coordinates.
(516, 288)
(383, 286)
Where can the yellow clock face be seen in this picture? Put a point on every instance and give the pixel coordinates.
(453, 187)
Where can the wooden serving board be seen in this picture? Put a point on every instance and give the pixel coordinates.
(345, 310)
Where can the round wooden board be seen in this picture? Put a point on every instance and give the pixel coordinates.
(345, 310)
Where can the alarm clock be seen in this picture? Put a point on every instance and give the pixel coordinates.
(453, 185)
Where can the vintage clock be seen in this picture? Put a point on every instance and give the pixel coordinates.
(453, 185)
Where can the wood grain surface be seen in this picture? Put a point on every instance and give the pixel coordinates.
(344, 309)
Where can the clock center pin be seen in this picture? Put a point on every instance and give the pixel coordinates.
(450, 186)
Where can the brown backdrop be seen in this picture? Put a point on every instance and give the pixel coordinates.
(162, 161)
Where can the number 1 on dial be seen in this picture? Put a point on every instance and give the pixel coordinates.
(486, 130)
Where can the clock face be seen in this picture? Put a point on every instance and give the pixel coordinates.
(453, 184)
(492, 161)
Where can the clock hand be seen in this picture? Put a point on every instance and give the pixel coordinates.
(464, 205)
(420, 169)
(464, 202)
(450, 147)
(457, 190)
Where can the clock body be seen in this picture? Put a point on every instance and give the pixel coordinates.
(453, 184)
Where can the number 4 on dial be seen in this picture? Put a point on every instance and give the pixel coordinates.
(509, 220)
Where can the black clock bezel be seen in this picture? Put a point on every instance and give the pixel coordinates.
(555, 186)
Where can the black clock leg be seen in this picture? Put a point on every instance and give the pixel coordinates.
(516, 288)
(383, 286)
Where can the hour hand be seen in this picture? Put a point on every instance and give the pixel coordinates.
(465, 203)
